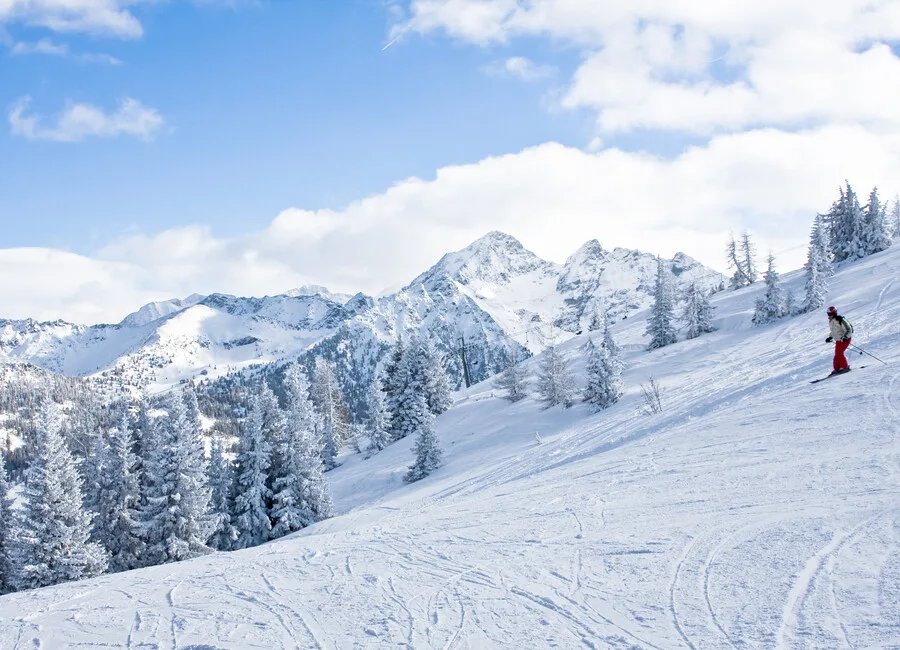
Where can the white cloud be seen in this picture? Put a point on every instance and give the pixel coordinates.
(49, 47)
(43, 46)
(80, 121)
(652, 65)
(552, 197)
(47, 284)
(107, 17)
(521, 67)
(114, 18)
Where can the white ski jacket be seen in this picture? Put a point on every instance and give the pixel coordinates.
(839, 328)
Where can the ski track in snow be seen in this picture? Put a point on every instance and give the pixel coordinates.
(755, 511)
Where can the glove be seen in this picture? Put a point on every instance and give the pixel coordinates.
(829, 339)
(845, 339)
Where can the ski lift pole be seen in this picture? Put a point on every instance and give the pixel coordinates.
(861, 351)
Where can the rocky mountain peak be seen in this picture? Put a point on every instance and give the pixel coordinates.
(496, 258)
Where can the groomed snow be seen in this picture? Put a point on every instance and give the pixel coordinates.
(756, 511)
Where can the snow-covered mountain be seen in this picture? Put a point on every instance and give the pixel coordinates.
(754, 511)
(501, 299)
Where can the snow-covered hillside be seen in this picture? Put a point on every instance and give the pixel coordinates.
(756, 511)
(503, 299)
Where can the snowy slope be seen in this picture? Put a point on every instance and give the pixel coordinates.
(756, 511)
(503, 299)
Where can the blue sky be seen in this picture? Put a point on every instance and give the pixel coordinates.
(155, 148)
(265, 106)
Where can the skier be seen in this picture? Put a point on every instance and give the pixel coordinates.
(841, 331)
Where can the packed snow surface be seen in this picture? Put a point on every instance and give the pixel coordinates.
(755, 511)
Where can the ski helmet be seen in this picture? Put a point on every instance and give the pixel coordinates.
(832, 311)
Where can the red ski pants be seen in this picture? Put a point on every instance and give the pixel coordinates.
(840, 361)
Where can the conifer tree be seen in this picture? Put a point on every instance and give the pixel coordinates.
(329, 401)
(555, 384)
(615, 352)
(407, 384)
(895, 218)
(301, 493)
(116, 526)
(251, 491)
(379, 419)
(739, 277)
(818, 266)
(146, 443)
(221, 482)
(748, 258)
(604, 374)
(772, 306)
(6, 530)
(876, 237)
(697, 314)
(174, 518)
(847, 227)
(329, 445)
(661, 327)
(790, 303)
(427, 447)
(513, 381)
(91, 470)
(53, 536)
(274, 431)
(391, 382)
(596, 321)
(434, 379)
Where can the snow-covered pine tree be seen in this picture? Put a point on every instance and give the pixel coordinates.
(697, 313)
(91, 469)
(615, 352)
(661, 325)
(513, 381)
(427, 447)
(818, 265)
(895, 218)
(329, 445)
(833, 222)
(772, 306)
(555, 384)
(53, 534)
(604, 376)
(174, 516)
(876, 237)
(739, 277)
(6, 530)
(379, 420)
(251, 493)
(790, 303)
(221, 483)
(116, 526)
(596, 321)
(391, 382)
(435, 381)
(748, 258)
(301, 494)
(403, 404)
(146, 442)
(274, 429)
(847, 221)
(329, 401)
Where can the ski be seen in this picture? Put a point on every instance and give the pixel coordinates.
(816, 381)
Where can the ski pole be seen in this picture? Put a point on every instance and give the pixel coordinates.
(861, 351)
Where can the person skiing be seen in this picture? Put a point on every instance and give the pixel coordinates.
(841, 332)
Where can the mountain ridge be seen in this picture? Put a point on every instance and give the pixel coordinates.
(501, 298)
